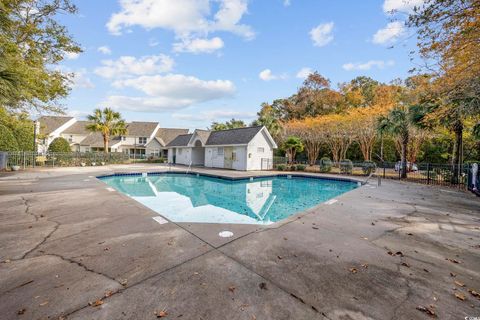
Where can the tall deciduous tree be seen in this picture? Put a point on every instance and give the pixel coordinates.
(231, 124)
(31, 42)
(109, 123)
(448, 38)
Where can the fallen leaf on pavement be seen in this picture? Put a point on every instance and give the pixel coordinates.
(161, 314)
(452, 260)
(97, 303)
(108, 293)
(460, 296)
(474, 293)
(263, 285)
(44, 303)
(279, 257)
(365, 265)
(452, 274)
(427, 310)
(460, 284)
(231, 289)
(353, 270)
(21, 311)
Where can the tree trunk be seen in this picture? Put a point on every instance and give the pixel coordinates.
(403, 166)
(105, 144)
(457, 152)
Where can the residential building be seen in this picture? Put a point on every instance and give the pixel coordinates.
(248, 148)
(143, 139)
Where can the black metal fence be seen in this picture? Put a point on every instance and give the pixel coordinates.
(21, 160)
(427, 173)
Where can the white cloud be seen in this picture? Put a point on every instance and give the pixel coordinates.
(169, 92)
(322, 34)
(198, 45)
(286, 3)
(391, 33)
(267, 75)
(184, 17)
(152, 42)
(406, 6)
(304, 72)
(72, 55)
(380, 64)
(131, 66)
(78, 78)
(214, 115)
(105, 50)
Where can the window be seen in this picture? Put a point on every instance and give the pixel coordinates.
(142, 140)
(220, 151)
(70, 139)
(124, 138)
(260, 150)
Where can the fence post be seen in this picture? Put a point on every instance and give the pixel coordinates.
(428, 173)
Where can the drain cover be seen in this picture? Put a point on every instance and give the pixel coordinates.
(226, 234)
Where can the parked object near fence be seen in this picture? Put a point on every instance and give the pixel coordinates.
(59, 159)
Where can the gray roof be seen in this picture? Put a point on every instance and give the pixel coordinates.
(180, 141)
(168, 134)
(78, 127)
(48, 124)
(203, 135)
(141, 129)
(233, 136)
(95, 140)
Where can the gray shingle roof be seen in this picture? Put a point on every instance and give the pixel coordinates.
(180, 141)
(77, 128)
(95, 140)
(141, 129)
(48, 124)
(168, 134)
(232, 136)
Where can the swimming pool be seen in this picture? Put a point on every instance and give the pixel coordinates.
(198, 198)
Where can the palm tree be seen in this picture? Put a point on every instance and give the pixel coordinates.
(108, 123)
(397, 123)
(291, 146)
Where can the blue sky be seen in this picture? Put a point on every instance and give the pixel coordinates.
(186, 63)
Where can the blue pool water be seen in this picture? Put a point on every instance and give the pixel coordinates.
(191, 198)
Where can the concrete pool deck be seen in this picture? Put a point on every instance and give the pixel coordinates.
(72, 249)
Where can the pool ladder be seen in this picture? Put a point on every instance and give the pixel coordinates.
(189, 168)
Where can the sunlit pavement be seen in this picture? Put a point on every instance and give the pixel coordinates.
(71, 248)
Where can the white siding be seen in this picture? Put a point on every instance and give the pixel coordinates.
(254, 155)
(184, 156)
(153, 148)
(217, 160)
(240, 162)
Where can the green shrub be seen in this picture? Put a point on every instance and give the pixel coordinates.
(24, 135)
(368, 167)
(7, 140)
(292, 168)
(346, 166)
(301, 167)
(59, 145)
(281, 167)
(325, 165)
